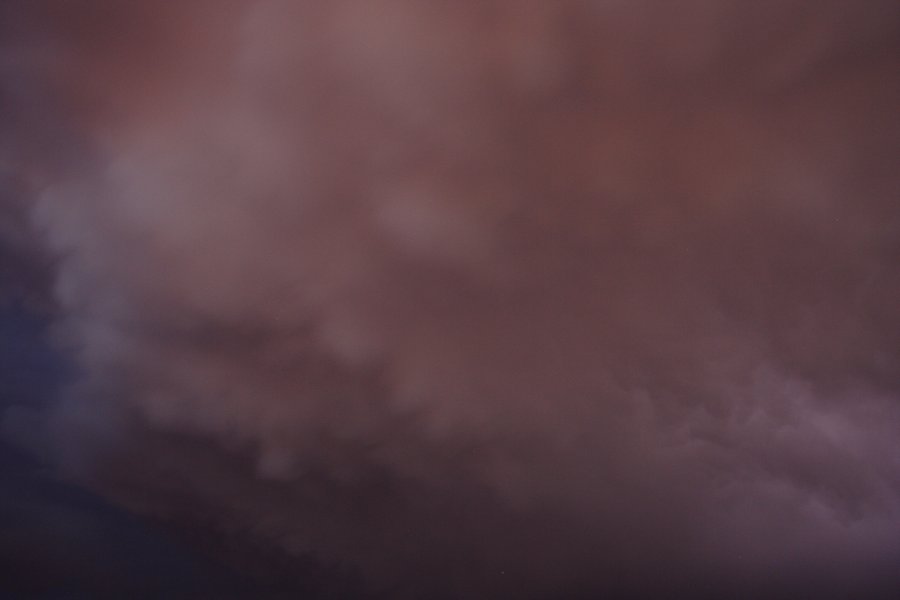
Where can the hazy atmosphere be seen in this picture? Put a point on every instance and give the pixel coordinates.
(450, 299)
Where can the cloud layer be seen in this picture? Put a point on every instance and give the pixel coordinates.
(484, 298)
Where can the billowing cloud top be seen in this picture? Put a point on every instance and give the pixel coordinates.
(485, 298)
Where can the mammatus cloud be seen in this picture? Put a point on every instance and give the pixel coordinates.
(485, 298)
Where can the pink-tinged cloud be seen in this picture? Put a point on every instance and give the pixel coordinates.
(485, 298)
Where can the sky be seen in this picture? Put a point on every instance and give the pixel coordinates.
(471, 299)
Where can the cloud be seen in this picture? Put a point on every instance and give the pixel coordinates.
(497, 297)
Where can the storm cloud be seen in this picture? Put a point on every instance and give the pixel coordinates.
(483, 298)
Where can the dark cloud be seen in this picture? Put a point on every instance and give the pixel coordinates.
(483, 298)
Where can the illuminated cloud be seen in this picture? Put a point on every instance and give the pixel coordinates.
(501, 298)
